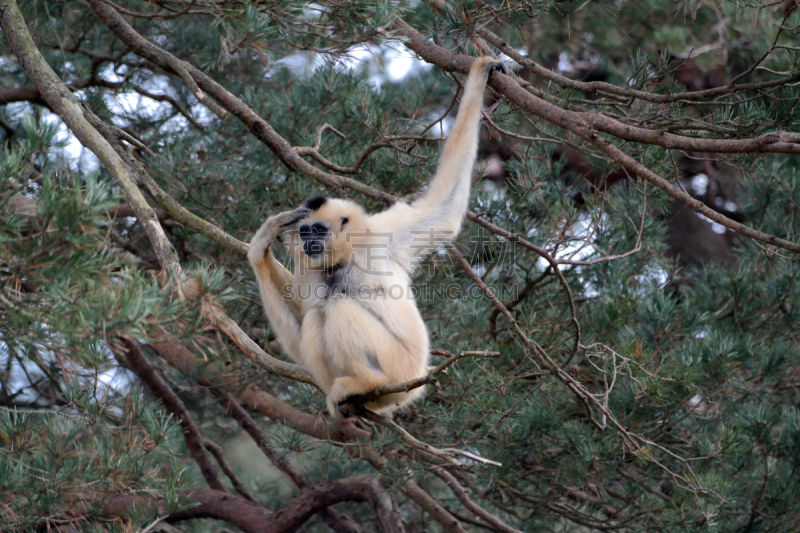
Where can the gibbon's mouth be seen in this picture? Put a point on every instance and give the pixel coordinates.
(313, 248)
(313, 238)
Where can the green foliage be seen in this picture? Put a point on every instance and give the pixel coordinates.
(62, 464)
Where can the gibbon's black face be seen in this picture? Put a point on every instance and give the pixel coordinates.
(314, 237)
(315, 234)
(328, 232)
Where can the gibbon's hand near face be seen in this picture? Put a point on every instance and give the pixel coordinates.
(349, 342)
(274, 226)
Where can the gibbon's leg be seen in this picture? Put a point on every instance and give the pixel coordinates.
(284, 313)
(357, 343)
(363, 355)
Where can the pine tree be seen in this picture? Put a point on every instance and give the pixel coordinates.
(615, 330)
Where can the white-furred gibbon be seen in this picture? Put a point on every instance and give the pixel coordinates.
(347, 314)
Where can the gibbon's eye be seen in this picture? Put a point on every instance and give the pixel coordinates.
(345, 220)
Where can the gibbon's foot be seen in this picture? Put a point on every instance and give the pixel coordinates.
(355, 404)
(354, 399)
(498, 65)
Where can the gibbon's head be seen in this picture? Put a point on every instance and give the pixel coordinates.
(328, 233)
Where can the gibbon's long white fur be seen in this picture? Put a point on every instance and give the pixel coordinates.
(347, 313)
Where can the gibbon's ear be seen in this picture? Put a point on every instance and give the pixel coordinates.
(315, 202)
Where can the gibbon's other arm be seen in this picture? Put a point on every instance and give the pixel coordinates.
(437, 216)
(284, 313)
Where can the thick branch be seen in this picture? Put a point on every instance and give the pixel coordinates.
(319, 496)
(433, 508)
(26, 93)
(461, 493)
(209, 504)
(246, 516)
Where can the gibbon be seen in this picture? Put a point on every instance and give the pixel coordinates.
(347, 314)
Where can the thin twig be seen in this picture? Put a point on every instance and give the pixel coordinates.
(447, 454)
(253, 351)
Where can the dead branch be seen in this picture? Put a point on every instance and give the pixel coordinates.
(445, 454)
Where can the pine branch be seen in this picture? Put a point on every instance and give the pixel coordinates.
(253, 351)
(262, 130)
(243, 514)
(67, 106)
(582, 124)
(600, 87)
(195, 441)
(181, 358)
(445, 454)
(433, 508)
(337, 521)
(226, 467)
(179, 213)
(461, 493)
(586, 125)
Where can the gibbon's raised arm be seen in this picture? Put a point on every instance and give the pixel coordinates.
(436, 217)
